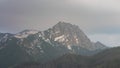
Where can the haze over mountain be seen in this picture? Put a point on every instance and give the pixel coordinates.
(43, 46)
(45, 43)
(98, 18)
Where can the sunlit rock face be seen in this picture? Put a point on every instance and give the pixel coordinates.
(69, 35)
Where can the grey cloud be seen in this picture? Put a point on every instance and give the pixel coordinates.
(16, 15)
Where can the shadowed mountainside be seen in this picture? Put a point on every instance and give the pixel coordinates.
(109, 58)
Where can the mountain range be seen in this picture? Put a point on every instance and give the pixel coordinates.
(48, 45)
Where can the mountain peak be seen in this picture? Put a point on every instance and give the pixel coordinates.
(70, 35)
(64, 28)
(64, 24)
(100, 45)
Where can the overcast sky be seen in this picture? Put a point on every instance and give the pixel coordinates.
(99, 19)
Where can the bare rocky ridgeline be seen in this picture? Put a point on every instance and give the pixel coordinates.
(42, 46)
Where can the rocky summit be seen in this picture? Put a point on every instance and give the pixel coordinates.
(42, 46)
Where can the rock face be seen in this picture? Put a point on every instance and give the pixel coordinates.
(70, 35)
(41, 46)
(99, 45)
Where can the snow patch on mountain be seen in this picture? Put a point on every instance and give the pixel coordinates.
(57, 32)
(21, 36)
(4, 38)
(25, 33)
(69, 47)
(76, 39)
(60, 38)
(39, 47)
(47, 40)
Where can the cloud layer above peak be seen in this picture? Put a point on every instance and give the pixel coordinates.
(93, 16)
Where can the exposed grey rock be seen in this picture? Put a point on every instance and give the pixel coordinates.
(41, 46)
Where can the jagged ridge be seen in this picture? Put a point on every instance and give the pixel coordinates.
(46, 45)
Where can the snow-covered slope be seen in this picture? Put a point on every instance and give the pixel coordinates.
(25, 33)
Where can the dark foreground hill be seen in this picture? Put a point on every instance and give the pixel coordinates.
(107, 59)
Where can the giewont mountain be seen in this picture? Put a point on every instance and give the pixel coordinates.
(41, 46)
